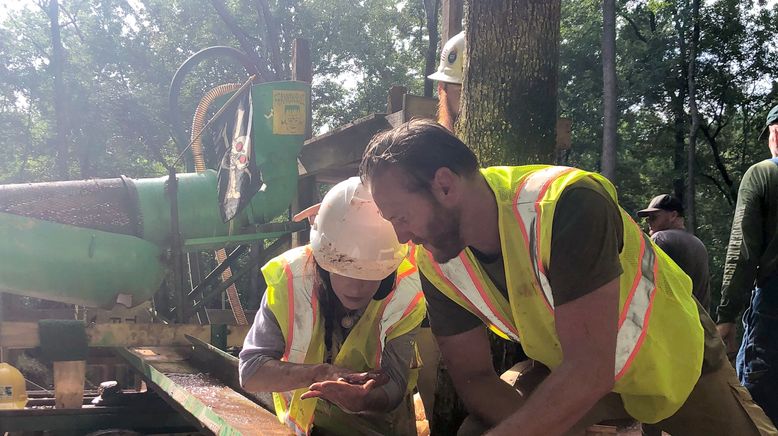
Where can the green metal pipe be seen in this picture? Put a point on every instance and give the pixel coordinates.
(76, 265)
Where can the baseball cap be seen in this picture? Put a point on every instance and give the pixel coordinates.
(772, 118)
(662, 202)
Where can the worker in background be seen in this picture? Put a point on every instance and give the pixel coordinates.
(449, 77)
(664, 215)
(544, 255)
(337, 323)
(751, 271)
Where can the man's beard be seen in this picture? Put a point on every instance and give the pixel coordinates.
(444, 241)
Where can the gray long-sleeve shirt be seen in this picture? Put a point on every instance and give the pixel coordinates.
(265, 342)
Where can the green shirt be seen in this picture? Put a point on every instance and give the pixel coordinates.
(752, 254)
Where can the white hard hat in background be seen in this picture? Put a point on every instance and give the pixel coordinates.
(349, 237)
(451, 60)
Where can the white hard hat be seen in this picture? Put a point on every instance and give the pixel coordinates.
(451, 59)
(349, 237)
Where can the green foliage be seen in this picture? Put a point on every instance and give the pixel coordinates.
(121, 56)
(735, 89)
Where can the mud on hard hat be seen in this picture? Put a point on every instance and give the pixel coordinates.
(350, 238)
(451, 59)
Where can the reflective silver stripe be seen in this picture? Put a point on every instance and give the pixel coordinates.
(407, 290)
(633, 318)
(302, 304)
(456, 272)
(304, 320)
(525, 208)
(634, 321)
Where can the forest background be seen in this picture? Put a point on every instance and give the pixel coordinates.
(84, 83)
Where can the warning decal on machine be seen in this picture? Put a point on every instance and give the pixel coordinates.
(289, 112)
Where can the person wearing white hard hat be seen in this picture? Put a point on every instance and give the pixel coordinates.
(337, 323)
(449, 77)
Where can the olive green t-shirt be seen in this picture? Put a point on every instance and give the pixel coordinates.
(586, 239)
(752, 253)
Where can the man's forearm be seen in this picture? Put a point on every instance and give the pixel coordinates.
(278, 376)
(558, 403)
(489, 398)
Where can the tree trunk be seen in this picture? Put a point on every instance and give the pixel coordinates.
(610, 115)
(57, 67)
(678, 96)
(430, 61)
(509, 105)
(509, 99)
(691, 159)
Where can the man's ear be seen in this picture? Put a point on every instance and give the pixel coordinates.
(446, 186)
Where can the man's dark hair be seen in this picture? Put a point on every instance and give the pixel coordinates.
(420, 148)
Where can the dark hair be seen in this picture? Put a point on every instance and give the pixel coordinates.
(420, 148)
(328, 301)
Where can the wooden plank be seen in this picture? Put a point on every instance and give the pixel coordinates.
(395, 99)
(416, 106)
(25, 334)
(202, 398)
(69, 384)
(341, 146)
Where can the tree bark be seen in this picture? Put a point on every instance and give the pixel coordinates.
(678, 96)
(610, 114)
(691, 158)
(509, 99)
(509, 115)
(57, 67)
(430, 61)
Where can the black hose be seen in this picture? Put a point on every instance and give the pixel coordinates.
(176, 123)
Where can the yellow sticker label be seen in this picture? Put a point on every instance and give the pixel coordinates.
(289, 112)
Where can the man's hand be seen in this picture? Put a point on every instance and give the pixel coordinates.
(351, 397)
(364, 377)
(728, 332)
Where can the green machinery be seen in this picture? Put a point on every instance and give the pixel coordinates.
(101, 242)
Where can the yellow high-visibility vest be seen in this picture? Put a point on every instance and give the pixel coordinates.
(290, 296)
(660, 340)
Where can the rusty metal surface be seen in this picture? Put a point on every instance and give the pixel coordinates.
(203, 399)
(101, 204)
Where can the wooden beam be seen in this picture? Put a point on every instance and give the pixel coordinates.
(307, 192)
(452, 12)
(395, 99)
(302, 70)
(25, 334)
(69, 384)
(341, 146)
